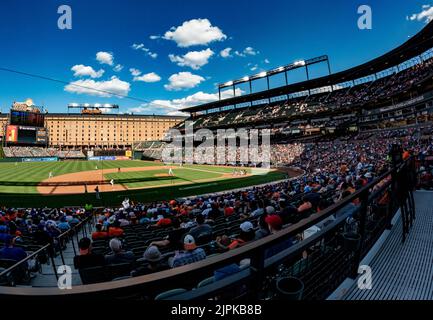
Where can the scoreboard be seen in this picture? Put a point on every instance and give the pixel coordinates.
(26, 127)
(27, 118)
(26, 135)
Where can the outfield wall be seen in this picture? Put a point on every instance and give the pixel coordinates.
(28, 159)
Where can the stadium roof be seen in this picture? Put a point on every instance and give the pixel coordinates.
(415, 46)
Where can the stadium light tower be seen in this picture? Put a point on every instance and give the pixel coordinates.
(267, 74)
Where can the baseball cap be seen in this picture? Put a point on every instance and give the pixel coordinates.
(274, 221)
(247, 226)
(270, 210)
(152, 254)
(189, 242)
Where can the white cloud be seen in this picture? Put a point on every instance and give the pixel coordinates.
(109, 88)
(154, 37)
(183, 80)
(134, 72)
(118, 68)
(254, 67)
(248, 51)
(105, 58)
(226, 53)
(193, 59)
(267, 61)
(149, 77)
(173, 107)
(136, 46)
(141, 47)
(426, 14)
(195, 32)
(81, 70)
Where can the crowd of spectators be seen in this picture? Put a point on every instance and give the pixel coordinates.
(190, 229)
(24, 231)
(151, 237)
(371, 90)
(41, 152)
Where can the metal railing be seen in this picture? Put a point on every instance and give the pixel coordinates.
(321, 261)
(49, 250)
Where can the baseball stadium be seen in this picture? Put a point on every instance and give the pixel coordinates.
(99, 204)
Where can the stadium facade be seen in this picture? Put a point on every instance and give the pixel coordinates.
(81, 130)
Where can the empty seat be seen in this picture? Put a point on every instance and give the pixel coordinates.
(93, 275)
(119, 270)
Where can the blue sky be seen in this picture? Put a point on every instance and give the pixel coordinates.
(155, 41)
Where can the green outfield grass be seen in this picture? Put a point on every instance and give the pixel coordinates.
(188, 180)
(39, 171)
(181, 175)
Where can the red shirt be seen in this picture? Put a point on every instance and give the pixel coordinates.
(228, 211)
(163, 222)
(99, 235)
(115, 232)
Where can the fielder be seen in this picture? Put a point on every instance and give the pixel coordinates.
(170, 172)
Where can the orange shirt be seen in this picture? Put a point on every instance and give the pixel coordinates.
(236, 243)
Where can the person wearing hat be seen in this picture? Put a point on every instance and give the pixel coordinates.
(246, 235)
(153, 260)
(118, 255)
(190, 254)
(275, 223)
(16, 254)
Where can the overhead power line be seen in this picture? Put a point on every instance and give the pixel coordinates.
(73, 84)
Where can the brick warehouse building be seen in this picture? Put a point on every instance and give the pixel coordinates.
(101, 130)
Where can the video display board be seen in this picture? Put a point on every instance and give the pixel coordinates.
(11, 134)
(25, 118)
(26, 135)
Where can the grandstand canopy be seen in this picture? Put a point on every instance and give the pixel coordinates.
(415, 46)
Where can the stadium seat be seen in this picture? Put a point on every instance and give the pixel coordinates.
(93, 275)
(170, 293)
(121, 278)
(203, 239)
(18, 275)
(119, 270)
(205, 282)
